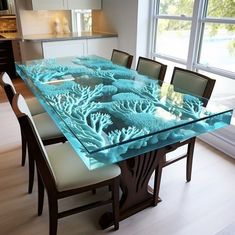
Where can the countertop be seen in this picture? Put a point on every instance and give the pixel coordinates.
(7, 17)
(9, 36)
(55, 37)
(70, 36)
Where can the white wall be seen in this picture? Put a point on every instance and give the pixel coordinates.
(122, 18)
(143, 28)
(129, 18)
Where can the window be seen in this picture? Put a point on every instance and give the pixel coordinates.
(199, 34)
(173, 20)
(218, 35)
(82, 20)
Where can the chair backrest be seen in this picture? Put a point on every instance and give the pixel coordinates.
(34, 141)
(193, 82)
(151, 68)
(7, 85)
(122, 58)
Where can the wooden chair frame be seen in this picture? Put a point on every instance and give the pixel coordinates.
(130, 57)
(162, 70)
(190, 142)
(10, 94)
(47, 181)
(209, 86)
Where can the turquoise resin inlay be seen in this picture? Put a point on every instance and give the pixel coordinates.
(110, 113)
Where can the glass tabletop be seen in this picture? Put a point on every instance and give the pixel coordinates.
(109, 113)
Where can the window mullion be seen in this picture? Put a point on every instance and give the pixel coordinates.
(195, 34)
(153, 32)
(197, 48)
(218, 20)
(171, 17)
(170, 58)
(214, 70)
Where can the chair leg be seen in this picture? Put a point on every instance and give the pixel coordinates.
(31, 172)
(53, 215)
(190, 159)
(24, 147)
(157, 182)
(40, 195)
(115, 204)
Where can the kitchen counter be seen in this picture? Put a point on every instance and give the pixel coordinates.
(70, 36)
(7, 17)
(9, 36)
(55, 37)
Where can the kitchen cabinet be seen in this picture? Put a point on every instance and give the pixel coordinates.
(84, 4)
(49, 47)
(64, 48)
(96, 46)
(63, 4)
(16, 50)
(7, 63)
(101, 46)
(46, 5)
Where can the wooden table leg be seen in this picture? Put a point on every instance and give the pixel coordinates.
(136, 193)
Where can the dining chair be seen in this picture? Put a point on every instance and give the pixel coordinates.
(34, 105)
(151, 68)
(63, 174)
(193, 83)
(48, 131)
(122, 58)
(196, 84)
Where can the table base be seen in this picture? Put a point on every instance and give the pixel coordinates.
(136, 192)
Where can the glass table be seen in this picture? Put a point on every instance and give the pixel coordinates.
(111, 114)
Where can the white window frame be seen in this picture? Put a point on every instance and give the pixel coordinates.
(198, 19)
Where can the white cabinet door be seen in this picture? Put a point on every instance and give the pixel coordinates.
(47, 4)
(63, 4)
(64, 48)
(101, 46)
(84, 4)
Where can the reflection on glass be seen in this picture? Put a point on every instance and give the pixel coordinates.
(176, 7)
(218, 8)
(167, 92)
(173, 38)
(218, 46)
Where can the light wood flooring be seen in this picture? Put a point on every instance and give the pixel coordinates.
(205, 206)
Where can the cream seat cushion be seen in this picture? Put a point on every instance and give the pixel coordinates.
(46, 127)
(190, 82)
(70, 172)
(149, 68)
(34, 106)
(120, 58)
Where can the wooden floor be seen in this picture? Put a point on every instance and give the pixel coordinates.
(205, 206)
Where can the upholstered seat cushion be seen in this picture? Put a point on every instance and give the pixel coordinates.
(149, 68)
(120, 58)
(70, 172)
(34, 106)
(46, 127)
(190, 82)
